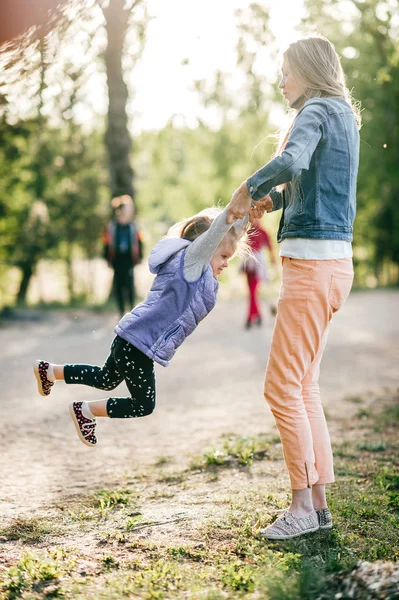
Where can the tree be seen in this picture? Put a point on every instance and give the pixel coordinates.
(49, 156)
(184, 170)
(33, 238)
(117, 138)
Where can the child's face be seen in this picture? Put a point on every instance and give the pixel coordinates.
(220, 259)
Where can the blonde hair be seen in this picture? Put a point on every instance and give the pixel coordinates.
(191, 228)
(316, 66)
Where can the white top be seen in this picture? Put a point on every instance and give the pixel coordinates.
(315, 249)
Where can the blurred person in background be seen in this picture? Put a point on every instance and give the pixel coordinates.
(256, 270)
(123, 250)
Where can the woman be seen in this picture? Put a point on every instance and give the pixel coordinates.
(313, 179)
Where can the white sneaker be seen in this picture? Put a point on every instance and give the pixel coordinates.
(288, 526)
(325, 518)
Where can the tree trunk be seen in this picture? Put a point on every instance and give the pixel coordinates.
(30, 242)
(69, 272)
(27, 272)
(117, 137)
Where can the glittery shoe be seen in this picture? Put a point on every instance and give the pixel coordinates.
(325, 518)
(85, 428)
(289, 526)
(44, 385)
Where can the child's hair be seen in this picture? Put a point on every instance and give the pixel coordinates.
(191, 228)
(316, 66)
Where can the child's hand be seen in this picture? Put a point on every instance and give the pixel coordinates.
(266, 203)
(259, 208)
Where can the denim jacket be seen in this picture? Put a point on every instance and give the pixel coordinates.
(321, 157)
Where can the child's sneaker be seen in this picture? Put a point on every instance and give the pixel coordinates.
(44, 384)
(85, 427)
(325, 518)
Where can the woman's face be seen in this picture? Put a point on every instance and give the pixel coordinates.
(288, 85)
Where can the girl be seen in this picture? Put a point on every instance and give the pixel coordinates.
(182, 294)
(313, 179)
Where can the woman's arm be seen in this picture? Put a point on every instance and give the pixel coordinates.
(199, 253)
(302, 142)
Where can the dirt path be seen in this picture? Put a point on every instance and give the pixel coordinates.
(212, 387)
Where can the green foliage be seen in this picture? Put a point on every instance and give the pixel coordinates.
(180, 170)
(372, 446)
(236, 449)
(106, 500)
(109, 562)
(239, 577)
(26, 530)
(37, 573)
(134, 522)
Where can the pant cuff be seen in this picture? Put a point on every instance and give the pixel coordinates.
(324, 480)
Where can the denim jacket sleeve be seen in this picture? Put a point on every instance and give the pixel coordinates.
(302, 142)
(277, 198)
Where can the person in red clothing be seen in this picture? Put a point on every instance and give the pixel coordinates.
(255, 268)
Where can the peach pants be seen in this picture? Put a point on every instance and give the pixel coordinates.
(312, 291)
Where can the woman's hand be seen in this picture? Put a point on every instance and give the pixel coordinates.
(259, 207)
(239, 205)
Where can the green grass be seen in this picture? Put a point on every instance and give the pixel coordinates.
(364, 413)
(372, 446)
(27, 530)
(354, 399)
(152, 552)
(234, 451)
(106, 500)
(39, 575)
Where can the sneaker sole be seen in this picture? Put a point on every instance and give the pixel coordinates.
(324, 527)
(75, 422)
(289, 537)
(37, 375)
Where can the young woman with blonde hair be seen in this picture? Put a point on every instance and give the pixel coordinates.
(312, 179)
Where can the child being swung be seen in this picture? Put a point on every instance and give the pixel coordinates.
(182, 294)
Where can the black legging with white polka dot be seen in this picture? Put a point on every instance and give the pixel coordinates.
(125, 362)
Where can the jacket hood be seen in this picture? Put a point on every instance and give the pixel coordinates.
(164, 250)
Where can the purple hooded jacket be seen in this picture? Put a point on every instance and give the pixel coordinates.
(172, 308)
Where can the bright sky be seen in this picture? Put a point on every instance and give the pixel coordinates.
(202, 31)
